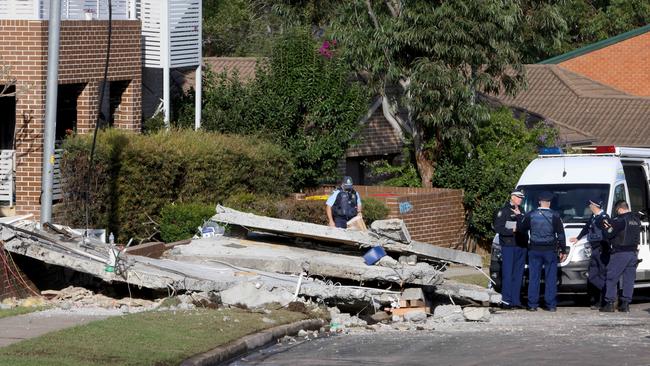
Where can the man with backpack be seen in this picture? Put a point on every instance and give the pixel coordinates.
(343, 204)
(624, 237)
(546, 239)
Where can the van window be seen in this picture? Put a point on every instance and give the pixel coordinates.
(637, 183)
(570, 200)
(619, 193)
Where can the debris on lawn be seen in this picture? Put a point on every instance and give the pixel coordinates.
(262, 262)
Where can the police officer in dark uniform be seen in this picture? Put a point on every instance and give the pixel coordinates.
(546, 238)
(513, 250)
(624, 233)
(343, 204)
(599, 257)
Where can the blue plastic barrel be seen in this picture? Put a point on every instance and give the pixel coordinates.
(373, 255)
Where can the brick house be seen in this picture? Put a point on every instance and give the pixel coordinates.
(146, 34)
(23, 47)
(620, 62)
(598, 94)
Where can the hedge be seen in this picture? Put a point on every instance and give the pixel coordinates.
(306, 210)
(136, 175)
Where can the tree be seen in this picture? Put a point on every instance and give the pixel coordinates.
(302, 98)
(439, 53)
(502, 149)
(7, 80)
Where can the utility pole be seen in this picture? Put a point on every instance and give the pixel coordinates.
(51, 96)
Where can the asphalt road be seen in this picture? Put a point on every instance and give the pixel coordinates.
(571, 336)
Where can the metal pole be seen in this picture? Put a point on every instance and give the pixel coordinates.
(166, 59)
(51, 95)
(197, 99)
(198, 81)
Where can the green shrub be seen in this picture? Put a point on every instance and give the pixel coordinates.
(374, 210)
(136, 175)
(305, 211)
(180, 221)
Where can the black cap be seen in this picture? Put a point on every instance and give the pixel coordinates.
(596, 201)
(545, 196)
(517, 193)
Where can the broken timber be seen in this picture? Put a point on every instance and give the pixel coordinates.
(349, 237)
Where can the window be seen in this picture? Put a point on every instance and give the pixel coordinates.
(619, 194)
(637, 183)
(570, 200)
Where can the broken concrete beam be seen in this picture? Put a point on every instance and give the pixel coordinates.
(447, 254)
(468, 292)
(169, 274)
(287, 259)
(448, 314)
(336, 235)
(414, 293)
(254, 296)
(394, 229)
(476, 314)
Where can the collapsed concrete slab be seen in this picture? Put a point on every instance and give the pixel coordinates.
(91, 256)
(294, 260)
(361, 239)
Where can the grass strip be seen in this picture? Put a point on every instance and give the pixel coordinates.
(20, 310)
(150, 338)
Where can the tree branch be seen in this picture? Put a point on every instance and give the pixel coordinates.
(394, 7)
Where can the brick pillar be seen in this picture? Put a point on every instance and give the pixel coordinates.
(87, 107)
(129, 113)
(30, 115)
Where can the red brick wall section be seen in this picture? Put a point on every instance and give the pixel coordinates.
(377, 137)
(623, 65)
(432, 215)
(23, 46)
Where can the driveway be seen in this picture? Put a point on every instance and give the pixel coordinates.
(571, 336)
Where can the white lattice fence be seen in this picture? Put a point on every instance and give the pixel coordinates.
(7, 169)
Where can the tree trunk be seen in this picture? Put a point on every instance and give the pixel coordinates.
(425, 167)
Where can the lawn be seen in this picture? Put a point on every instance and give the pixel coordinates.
(151, 338)
(19, 310)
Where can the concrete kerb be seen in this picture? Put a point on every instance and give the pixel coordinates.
(222, 354)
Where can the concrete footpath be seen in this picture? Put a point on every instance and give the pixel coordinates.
(17, 328)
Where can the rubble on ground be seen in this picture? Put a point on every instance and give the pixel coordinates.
(279, 262)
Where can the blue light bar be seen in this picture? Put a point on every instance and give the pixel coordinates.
(550, 150)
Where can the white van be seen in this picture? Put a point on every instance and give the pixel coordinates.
(612, 173)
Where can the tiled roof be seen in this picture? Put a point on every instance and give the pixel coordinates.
(244, 66)
(581, 106)
(596, 46)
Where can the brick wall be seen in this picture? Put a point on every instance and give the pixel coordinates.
(623, 65)
(377, 137)
(432, 215)
(23, 46)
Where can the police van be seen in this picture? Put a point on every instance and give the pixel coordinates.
(610, 172)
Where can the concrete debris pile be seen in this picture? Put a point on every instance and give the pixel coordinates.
(264, 261)
(77, 297)
(29, 302)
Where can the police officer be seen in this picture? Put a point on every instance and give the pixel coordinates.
(546, 238)
(597, 238)
(513, 250)
(343, 204)
(624, 233)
